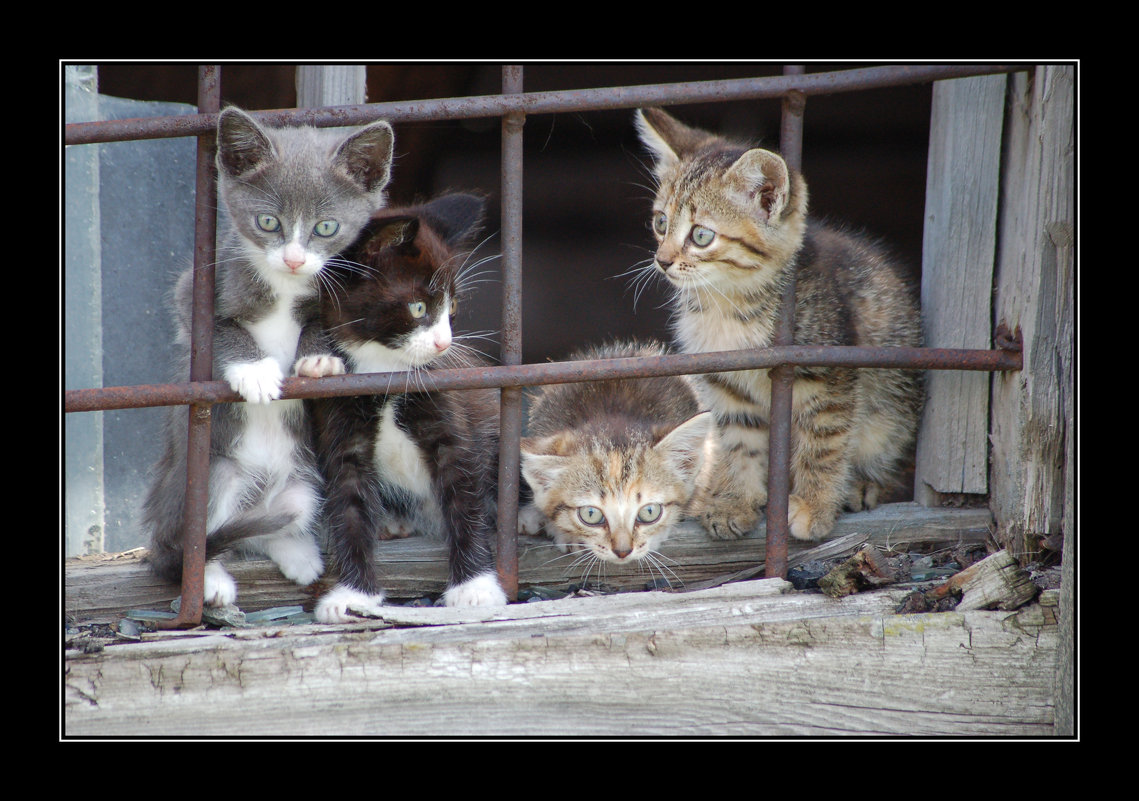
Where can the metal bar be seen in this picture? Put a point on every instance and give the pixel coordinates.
(510, 422)
(545, 102)
(201, 368)
(523, 375)
(783, 376)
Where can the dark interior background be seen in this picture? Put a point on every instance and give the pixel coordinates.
(586, 187)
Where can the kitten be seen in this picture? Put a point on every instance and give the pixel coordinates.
(407, 460)
(614, 465)
(295, 196)
(732, 228)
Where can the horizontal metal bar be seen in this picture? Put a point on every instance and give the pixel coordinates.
(85, 400)
(820, 83)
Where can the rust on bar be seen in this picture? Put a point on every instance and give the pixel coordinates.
(524, 375)
(201, 368)
(769, 87)
(783, 376)
(510, 419)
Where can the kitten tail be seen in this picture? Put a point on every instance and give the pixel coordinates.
(166, 560)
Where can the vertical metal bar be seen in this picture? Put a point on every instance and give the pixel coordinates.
(779, 431)
(201, 363)
(511, 419)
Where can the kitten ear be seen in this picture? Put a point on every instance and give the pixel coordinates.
(383, 232)
(541, 463)
(668, 139)
(762, 178)
(684, 446)
(366, 156)
(456, 217)
(243, 145)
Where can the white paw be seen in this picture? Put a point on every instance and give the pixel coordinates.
(319, 366)
(344, 604)
(257, 382)
(299, 560)
(531, 521)
(220, 588)
(480, 591)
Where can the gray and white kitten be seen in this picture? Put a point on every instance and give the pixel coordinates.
(732, 230)
(295, 197)
(614, 464)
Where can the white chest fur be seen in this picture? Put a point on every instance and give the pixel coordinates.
(398, 459)
(277, 334)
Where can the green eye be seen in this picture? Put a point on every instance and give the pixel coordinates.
(703, 236)
(590, 515)
(660, 223)
(267, 222)
(650, 513)
(454, 305)
(417, 308)
(326, 228)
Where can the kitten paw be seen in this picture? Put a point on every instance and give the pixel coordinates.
(220, 588)
(482, 590)
(730, 521)
(395, 528)
(343, 604)
(808, 523)
(257, 382)
(863, 495)
(319, 366)
(531, 521)
(302, 565)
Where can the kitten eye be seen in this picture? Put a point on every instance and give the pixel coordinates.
(326, 228)
(650, 513)
(269, 223)
(454, 305)
(702, 236)
(590, 515)
(660, 223)
(417, 308)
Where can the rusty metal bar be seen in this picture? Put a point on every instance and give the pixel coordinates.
(770, 87)
(510, 421)
(523, 375)
(201, 366)
(782, 377)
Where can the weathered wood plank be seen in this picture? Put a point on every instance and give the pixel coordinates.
(744, 659)
(104, 588)
(958, 249)
(1032, 409)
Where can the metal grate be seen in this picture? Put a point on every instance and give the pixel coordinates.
(512, 106)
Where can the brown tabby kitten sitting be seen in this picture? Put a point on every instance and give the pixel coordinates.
(614, 465)
(732, 228)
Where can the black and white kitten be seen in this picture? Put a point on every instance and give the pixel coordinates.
(295, 197)
(407, 460)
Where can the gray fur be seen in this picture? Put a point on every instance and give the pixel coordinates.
(264, 483)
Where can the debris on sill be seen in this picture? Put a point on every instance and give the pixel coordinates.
(996, 582)
(866, 570)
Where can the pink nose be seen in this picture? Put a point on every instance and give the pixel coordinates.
(294, 256)
(442, 342)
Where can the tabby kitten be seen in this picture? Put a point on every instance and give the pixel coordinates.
(732, 229)
(295, 196)
(407, 460)
(614, 464)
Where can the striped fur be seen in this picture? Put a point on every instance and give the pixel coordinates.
(732, 229)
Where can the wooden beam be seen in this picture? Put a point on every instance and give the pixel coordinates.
(746, 659)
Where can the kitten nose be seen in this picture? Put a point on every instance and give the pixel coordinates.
(442, 341)
(663, 265)
(294, 256)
